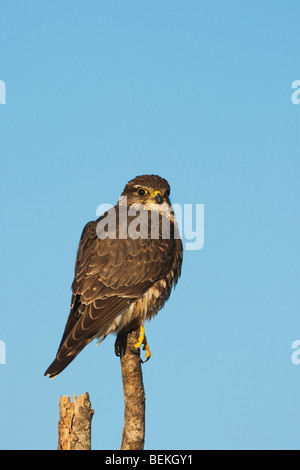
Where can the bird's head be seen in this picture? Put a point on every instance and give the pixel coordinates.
(150, 191)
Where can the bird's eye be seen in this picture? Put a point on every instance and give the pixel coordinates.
(142, 191)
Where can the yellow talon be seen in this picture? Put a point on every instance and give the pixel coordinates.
(142, 340)
(141, 337)
(148, 352)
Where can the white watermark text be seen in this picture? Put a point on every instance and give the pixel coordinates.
(296, 95)
(2, 92)
(2, 352)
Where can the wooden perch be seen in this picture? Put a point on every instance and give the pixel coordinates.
(74, 427)
(133, 388)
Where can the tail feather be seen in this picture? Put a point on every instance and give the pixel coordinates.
(58, 366)
(64, 357)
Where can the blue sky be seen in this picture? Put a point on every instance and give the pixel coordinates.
(199, 92)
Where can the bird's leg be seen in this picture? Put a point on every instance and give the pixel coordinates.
(141, 337)
(143, 340)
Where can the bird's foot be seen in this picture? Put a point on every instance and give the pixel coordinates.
(147, 349)
(143, 340)
(120, 345)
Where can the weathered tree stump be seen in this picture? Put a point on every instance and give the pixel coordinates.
(74, 427)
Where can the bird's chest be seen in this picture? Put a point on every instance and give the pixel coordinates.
(153, 300)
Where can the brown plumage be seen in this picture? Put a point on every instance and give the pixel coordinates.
(121, 281)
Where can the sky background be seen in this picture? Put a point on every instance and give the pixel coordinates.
(198, 92)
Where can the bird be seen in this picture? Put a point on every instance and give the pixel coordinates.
(128, 261)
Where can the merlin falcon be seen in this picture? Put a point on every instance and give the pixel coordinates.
(128, 260)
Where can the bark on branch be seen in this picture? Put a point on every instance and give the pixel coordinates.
(134, 395)
(74, 427)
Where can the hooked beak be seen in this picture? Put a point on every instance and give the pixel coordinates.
(157, 197)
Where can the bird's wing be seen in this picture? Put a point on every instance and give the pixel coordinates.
(109, 274)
